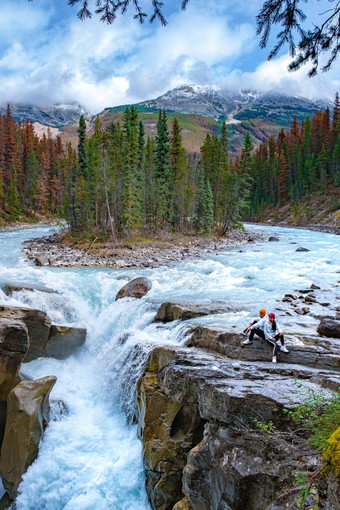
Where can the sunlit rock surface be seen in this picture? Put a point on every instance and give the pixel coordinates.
(136, 288)
(168, 312)
(13, 347)
(45, 339)
(197, 406)
(27, 416)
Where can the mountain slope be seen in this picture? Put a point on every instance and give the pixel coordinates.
(262, 115)
(55, 116)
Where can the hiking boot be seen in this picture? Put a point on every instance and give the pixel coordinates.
(283, 348)
(274, 359)
(247, 342)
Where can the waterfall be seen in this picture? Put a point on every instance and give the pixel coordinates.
(90, 456)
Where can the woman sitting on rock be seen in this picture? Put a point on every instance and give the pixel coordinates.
(273, 333)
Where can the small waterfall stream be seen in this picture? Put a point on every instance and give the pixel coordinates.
(90, 457)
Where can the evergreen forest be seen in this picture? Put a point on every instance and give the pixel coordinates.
(121, 184)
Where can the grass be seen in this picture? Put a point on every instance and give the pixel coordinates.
(319, 415)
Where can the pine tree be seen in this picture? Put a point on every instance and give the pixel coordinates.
(13, 197)
(132, 218)
(179, 175)
(82, 151)
(164, 183)
(204, 207)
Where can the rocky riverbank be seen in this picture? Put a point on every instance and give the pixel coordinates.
(214, 430)
(18, 225)
(25, 335)
(52, 250)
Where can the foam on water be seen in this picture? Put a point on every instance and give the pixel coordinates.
(90, 456)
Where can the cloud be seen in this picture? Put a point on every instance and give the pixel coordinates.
(274, 76)
(49, 56)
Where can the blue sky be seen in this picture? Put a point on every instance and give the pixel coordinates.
(48, 56)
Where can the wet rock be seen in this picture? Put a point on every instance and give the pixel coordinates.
(45, 339)
(38, 326)
(299, 311)
(329, 327)
(310, 299)
(9, 289)
(64, 341)
(136, 288)
(305, 309)
(273, 238)
(27, 417)
(301, 248)
(168, 312)
(14, 344)
(314, 287)
(289, 298)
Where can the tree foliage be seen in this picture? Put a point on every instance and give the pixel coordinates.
(323, 38)
(299, 162)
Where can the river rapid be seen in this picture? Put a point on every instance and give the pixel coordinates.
(90, 457)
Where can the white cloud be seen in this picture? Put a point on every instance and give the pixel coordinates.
(47, 59)
(274, 76)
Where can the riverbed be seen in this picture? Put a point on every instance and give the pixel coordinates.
(90, 456)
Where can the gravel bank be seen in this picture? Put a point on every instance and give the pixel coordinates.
(50, 251)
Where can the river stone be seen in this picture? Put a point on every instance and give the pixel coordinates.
(41, 260)
(273, 238)
(27, 417)
(301, 248)
(329, 327)
(63, 341)
(168, 312)
(9, 289)
(45, 339)
(38, 326)
(14, 344)
(136, 288)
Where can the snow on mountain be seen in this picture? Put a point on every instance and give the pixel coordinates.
(54, 116)
(235, 105)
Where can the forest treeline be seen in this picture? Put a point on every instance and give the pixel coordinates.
(121, 183)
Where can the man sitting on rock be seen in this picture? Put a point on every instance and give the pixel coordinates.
(256, 327)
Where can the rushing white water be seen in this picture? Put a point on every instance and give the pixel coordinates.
(90, 457)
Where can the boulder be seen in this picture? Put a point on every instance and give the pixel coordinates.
(14, 344)
(307, 350)
(329, 327)
(38, 326)
(45, 339)
(273, 238)
(9, 289)
(301, 248)
(202, 449)
(63, 341)
(27, 417)
(136, 288)
(168, 312)
(41, 260)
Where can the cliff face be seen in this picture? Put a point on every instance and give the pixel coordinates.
(202, 448)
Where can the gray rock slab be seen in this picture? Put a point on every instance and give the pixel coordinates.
(64, 341)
